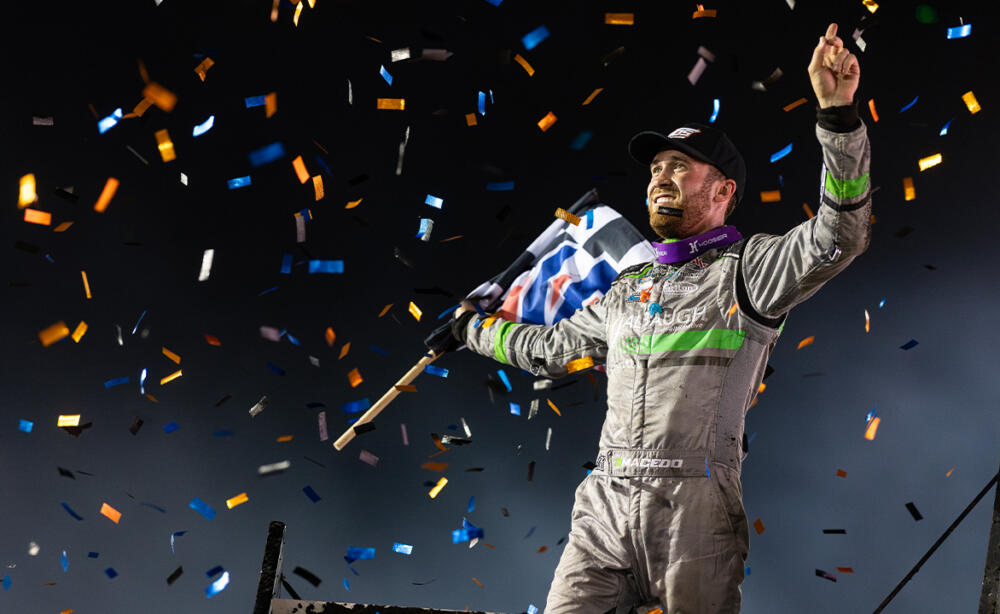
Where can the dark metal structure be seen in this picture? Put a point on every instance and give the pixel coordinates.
(989, 602)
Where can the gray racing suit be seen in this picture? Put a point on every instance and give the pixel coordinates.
(665, 498)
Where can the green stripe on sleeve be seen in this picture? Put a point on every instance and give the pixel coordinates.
(846, 189)
(713, 339)
(499, 342)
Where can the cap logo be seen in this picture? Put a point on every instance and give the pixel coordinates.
(683, 133)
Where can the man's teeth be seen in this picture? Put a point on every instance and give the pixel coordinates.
(663, 198)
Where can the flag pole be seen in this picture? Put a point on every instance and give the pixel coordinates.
(387, 398)
(989, 603)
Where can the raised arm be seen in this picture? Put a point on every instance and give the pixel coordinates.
(781, 271)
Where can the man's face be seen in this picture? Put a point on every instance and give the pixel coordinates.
(683, 201)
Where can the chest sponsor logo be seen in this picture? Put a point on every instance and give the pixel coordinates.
(648, 463)
(684, 316)
(679, 287)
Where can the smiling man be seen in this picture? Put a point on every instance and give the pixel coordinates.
(685, 339)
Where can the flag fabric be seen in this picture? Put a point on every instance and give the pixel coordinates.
(567, 267)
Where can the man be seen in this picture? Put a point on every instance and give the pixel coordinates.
(685, 340)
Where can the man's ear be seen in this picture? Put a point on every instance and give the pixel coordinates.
(727, 189)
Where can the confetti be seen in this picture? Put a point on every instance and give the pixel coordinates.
(203, 67)
(161, 96)
(959, 31)
(237, 500)
(867, 322)
(504, 379)
(619, 19)
(909, 193)
(433, 370)
(165, 145)
(701, 12)
(212, 340)
(26, 193)
(567, 216)
(531, 39)
(524, 64)
(944, 130)
(929, 161)
(203, 127)
(794, 105)
(174, 575)
(326, 266)
(770, 196)
(300, 169)
(106, 195)
(202, 508)
(274, 467)
(553, 406)
(354, 377)
(715, 111)
(68, 420)
(110, 513)
(170, 428)
(871, 5)
(841, 473)
(238, 182)
(910, 104)
(344, 350)
(913, 511)
(206, 264)
(219, 585)
(70, 511)
(258, 406)
(171, 377)
(25, 426)
(758, 526)
(391, 104)
(826, 575)
(697, 70)
(872, 428)
(434, 201)
(912, 343)
(109, 122)
(971, 103)
(329, 336)
(266, 154)
(805, 342)
(784, 151)
(871, 108)
(415, 311)
(402, 548)
(437, 488)
(546, 122)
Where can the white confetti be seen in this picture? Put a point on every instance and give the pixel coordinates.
(206, 264)
(274, 467)
(548, 438)
(699, 68)
(33, 549)
(400, 54)
(542, 384)
(259, 407)
(184, 179)
(368, 457)
(42, 121)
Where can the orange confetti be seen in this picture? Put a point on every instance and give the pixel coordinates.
(142, 107)
(703, 13)
(948, 475)
(212, 339)
(354, 377)
(172, 377)
(329, 336)
(732, 310)
(794, 105)
(871, 107)
(237, 500)
(300, 169)
(619, 19)
(68, 420)
(579, 364)
(151, 398)
(480, 584)
(344, 350)
(62, 227)
(909, 192)
(112, 514)
(106, 195)
(34, 216)
(452, 238)
(770, 196)
(589, 99)
(488, 322)
(385, 310)
(161, 96)
(867, 322)
(439, 467)
(406, 387)
(553, 406)
(845, 570)
(437, 487)
(929, 161)
(391, 104)
(172, 356)
(971, 103)
(81, 330)
(524, 64)
(566, 215)
(27, 195)
(202, 68)
(270, 104)
(546, 122)
(872, 428)
(805, 342)
(761, 388)
(284, 438)
(758, 526)
(165, 145)
(841, 473)
(470, 119)
(541, 550)
(809, 212)
(415, 311)
(86, 284)
(318, 187)
(69, 611)
(54, 333)
(354, 203)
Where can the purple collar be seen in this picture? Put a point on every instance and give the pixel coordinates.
(692, 247)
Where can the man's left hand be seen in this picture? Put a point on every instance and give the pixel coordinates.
(833, 71)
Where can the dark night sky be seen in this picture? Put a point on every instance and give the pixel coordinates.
(937, 401)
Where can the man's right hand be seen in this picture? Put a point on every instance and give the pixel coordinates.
(465, 306)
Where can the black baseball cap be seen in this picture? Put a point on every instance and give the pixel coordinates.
(699, 141)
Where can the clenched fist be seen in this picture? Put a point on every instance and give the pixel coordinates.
(833, 71)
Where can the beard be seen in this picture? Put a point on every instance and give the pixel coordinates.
(693, 208)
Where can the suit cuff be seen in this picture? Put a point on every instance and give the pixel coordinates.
(839, 119)
(460, 326)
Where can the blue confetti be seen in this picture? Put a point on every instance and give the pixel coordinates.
(355, 406)
(655, 308)
(25, 426)
(590, 219)
(532, 609)
(871, 415)
(472, 504)
(115, 382)
(385, 74)
(204, 126)
(93, 555)
(170, 428)
(64, 561)
(746, 571)
(111, 573)
(359, 554)
(142, 381)
(141, 316)
(254, 101)
(531, 532)
(218, 586)
(500, 186)
(944, 130)
(503, 378)
(70, 511)
(425, 227)
(202, 508)
(463, 535)
(515, 409)
(347, 584)
(495, 2)
(912, 343)
(581, 140)
(238, 182)
(293, 340)
(436, 370)
(308, 490)
(266, 154)
(6, 582)
(275, 368)
(434, 201)
(215, 570)
(306, 214)
(326, 266)
(912, 102)
(715, 111)
(109, 122)
(223, 433)
(531, 39)
(402, 548)
(881, 303)
(960, 31)
(750, 438)
(707, 472)
(449, 311)
(784, 151)
(378, 350)
(482, 103)
(271, 289)
(326, 167)
(286, 264)
(174, 535)
(155, 507)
